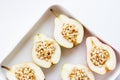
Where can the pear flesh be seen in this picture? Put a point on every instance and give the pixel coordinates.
(49, 51)
(101, 58)
(76, 72)
(74, 31)
(27, 71)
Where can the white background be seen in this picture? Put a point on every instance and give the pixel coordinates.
(18, 16)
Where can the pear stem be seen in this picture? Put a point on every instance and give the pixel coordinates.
(5, 68)
(55, 14)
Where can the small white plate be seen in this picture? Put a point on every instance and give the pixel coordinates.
(77, 55)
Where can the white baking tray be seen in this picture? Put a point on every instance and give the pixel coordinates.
(77, 55)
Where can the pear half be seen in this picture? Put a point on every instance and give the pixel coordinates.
(24, 71)
(46, 51)
(68, 32)
(100, 57)
(76, 72)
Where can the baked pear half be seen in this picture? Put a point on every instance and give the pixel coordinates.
(24, 71)
(68, 32)
(101, 57)
(76, 72)
(46, 51)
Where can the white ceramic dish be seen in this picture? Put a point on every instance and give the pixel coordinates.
(76, 55)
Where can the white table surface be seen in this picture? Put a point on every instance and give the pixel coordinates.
(18, 16)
